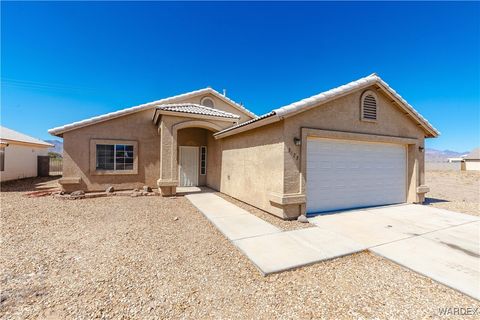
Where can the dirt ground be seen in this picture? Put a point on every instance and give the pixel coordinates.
(454, 190)
(122, 257)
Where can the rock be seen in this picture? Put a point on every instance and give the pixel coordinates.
(147, 189)
(136, 190)
(110, 190)
(134, 194)
(144, 193)
(80, 194)
(302, 219)
(175, 219)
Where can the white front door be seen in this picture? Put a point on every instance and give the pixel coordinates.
(188, 167)
(343, 174)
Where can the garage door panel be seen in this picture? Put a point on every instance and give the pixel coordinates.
(345, 174)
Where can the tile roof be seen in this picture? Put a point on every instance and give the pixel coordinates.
(323, 97)
(58, 131)
(196, 109)
(264, 116)
(12, 135)
(354, 85)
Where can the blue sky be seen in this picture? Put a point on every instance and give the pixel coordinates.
(63, 61)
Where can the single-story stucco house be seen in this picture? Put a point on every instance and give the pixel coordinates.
(19, 154)
(357, 145)
(471, 162)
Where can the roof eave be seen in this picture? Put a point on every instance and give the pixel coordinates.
(194, 115)
(26, 143)
(256, 124)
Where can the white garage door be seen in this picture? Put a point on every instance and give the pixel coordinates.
(343, 174)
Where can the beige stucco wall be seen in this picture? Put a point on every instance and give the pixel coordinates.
(252, 166)
(138, 127)
(219, 104)
(21, 161)
(265, 168)
(169, 128)
(343, 114)
(214, 162)
(471, 165)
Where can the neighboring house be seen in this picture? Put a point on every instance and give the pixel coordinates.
(18, 154)
(357, 145)
(472, 161)
(453, 160)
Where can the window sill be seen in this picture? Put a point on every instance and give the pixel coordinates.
(114, 172)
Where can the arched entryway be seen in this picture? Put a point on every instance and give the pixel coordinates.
(189, 155)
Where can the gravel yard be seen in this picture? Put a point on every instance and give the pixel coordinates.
(127, 257)
(279, 223)
(454, 190)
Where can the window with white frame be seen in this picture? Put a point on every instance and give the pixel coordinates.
(207, 102)
(114, 157)
(203, 160)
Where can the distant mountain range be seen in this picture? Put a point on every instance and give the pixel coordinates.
(434, 155)
(57, 146)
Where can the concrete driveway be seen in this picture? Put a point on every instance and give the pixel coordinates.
(439, 244)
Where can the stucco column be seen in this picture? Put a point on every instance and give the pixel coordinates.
(167, 182)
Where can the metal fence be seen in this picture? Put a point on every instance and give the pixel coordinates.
(56, 165)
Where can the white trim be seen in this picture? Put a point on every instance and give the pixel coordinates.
(324, 97)
(58, 131)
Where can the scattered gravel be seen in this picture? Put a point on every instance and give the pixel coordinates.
(123, 257)
(454, 190)
(280, 223)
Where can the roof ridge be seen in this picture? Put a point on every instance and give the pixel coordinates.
(303, 104)
(12, 135)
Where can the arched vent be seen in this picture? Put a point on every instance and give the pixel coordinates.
(369, 106)
(207, 102)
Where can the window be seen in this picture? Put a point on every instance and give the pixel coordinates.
(2, 159)
(113, 157)
(369, 106)
(207, 102)
(203, 161)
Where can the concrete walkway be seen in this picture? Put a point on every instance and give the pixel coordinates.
(440, 244)
(269, 248)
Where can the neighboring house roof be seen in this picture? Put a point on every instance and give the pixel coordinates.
(58, 131)
(193, 108)
(11, 136)
(316, 100)
(474, 155)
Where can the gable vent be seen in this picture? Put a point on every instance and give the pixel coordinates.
(369, 107)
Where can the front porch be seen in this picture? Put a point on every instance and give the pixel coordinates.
(189, 154)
